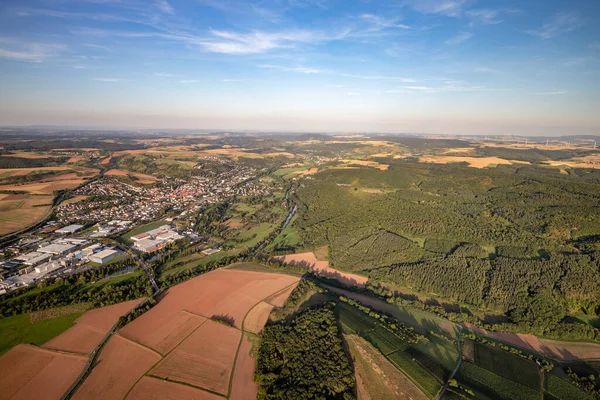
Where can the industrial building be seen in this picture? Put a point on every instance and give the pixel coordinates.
(103, 256)
(69, 229)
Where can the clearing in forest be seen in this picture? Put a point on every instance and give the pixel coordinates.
(309, 260)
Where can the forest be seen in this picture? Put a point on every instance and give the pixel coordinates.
(520, 240)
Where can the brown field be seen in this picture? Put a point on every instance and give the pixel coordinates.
(73, 200)
(205, 359)
(234, 223)
(204, 295)
(154, 389)
(257, 317)
(163, 328)
(119, 366)
(75, 159)
(307, 172)
(476, 162)
(582, 162)
(25, 171)
(278, 299)
(90, 328)
(376, 377)
(566, 351)
(243, 386)
(551, 146)
(141, 178)
(105, 160)
(366, 163)
(322, 267)
(18, 211)
(29, 372)
(31, 155)
(45, 187)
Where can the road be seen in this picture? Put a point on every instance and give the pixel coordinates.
(140, 262)
(441, 394)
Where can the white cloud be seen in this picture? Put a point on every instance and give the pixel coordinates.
(555, 93)
(450, 8)
(353, 94)
(164, 6)
(163, 75)
(334, 86)
(562, 22)
(459, 38)
(185, 81)
(108, 79)
(231, 80)
(302, 70)
(382, 23)
(17, 50)
(484, 16)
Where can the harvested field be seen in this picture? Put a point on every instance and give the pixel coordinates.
(257, 317)
(105, 160)
(322, 268)
(234, 223)
(90, 328)
(45, 187)
(476, 162)
(118, 367)
(376, 377)
(25, 171)
(75, 159)
(18, 211)
(139, 178)
(28, 372)
(162, 329)
(154, 389)
(278, 299)
(243, 386)
(366, 163)
(566, 351)
(205, 359)
(205, 294)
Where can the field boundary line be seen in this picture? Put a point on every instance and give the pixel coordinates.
(147, 373)
(116, 334)
(185, 384)
(237, 352)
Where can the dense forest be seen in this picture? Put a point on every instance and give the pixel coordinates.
(522, 240)
(304, 359)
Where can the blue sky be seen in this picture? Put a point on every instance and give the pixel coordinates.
(437, 66)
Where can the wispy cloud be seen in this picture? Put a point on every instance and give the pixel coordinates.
(562, 22)
(334, 86)
(18, 50)
(108, 79)
(302, 70)
(231, 80)
(353, 94)
(163, 75)
(483, 16)
(79, 67)
(382, 23)
(459, 38)
(164, 6)
(450, 8)
(555, 93)
(186, 81)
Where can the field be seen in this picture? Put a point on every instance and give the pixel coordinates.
(242, 384)
(561, 350)
(493, 386)
(19, 329)
(278, 299)
(563, 390)
(205, 359)
(137, 177)
(118, 367)
(185, 341)
(18, 211)
(322, 268)
(28, 372)
(504, 364)
(376, 377)
(257, 317)
(476, 162)
(90, 328)
(73, 200)
(423, 370)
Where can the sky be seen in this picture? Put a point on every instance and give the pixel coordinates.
(490, 67)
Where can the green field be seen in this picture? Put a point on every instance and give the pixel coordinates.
(563, 390)
(422, 369)
(492, 385)
(507, 365)
(19, 329)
